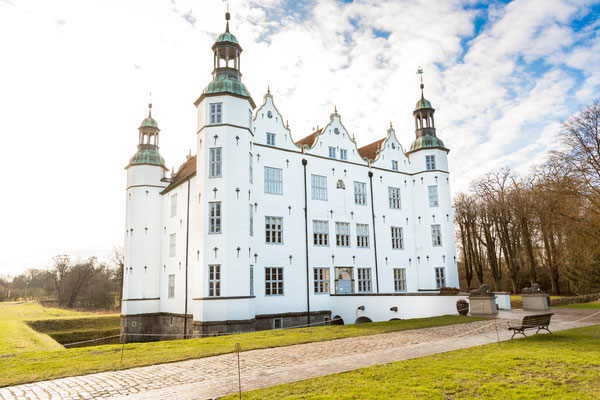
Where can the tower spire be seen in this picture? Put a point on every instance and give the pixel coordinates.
(420, 72)
(227, 17)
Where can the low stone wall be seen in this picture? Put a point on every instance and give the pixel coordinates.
(586, 298)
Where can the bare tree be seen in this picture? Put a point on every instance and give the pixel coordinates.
(118, 260)
(57, 274)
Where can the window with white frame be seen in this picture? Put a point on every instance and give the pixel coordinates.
(360, 193)
(214, 217)
(321, 233)
(251, 280)
(342, 234)
(174, 205)
(171, 286)
(362, 235)
(344, 154)
(433, 196)
(332, 152)
(319, 187)
(321, 280)
(214, 280)
(430, 162)
(273, 180)
(436, 235)
(251, 220)
(250, 119)
(364, 280)
(270, 139)
(250, 168)
(394, 198)
(172, 244)
(395, 165)
(274, 281)
(440, 278)
(274, 230)
(216, 110)
(397, 239)
(214, 162)
(400, 279)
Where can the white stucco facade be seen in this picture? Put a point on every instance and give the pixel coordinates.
(253, 202)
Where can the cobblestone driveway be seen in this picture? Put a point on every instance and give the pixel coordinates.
(215, 376)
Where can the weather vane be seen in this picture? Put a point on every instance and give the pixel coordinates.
(226, 1)
(420, 72)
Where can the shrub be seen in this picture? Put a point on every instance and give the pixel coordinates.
(449, 291)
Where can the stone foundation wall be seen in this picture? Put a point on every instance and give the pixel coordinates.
(165, 326)
(154, 327)
(291, 320)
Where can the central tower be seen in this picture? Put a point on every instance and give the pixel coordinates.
(224, 140)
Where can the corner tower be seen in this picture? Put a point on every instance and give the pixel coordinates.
(145, 173)
(224, 140)
(432, 206)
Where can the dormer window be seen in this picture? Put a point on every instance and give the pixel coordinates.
(270, 139)
(216, 112)
(395, 165)
(332, 152)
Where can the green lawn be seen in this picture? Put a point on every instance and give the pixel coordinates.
(16, 335)
(47, 364)
(563, 366)
(593, 306)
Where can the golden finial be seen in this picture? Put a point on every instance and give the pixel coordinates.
(391, 126)
(268, 89)
(287, 124)
(335, 109)
(353, 137)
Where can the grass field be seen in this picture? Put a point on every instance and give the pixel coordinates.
(16, 335)
(563, 366)
(593, 306)
(47, 364)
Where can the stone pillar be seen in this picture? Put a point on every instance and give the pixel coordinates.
(535, 301)
(483, 305)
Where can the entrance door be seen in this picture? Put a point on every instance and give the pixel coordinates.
(344, 282)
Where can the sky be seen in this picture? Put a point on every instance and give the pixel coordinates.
(76, 78)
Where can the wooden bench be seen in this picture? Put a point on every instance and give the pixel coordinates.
(539, 321)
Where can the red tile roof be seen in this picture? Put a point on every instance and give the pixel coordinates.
(310, 139)
(185, 171)
(370, 151)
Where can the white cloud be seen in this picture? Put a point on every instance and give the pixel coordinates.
(75, 79)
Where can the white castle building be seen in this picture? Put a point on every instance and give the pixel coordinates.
(258, 231)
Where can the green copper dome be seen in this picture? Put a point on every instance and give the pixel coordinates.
(227, 37)
(225, 84)
(423, 103)
(149, 122)
(147, 156)
(426, 142)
